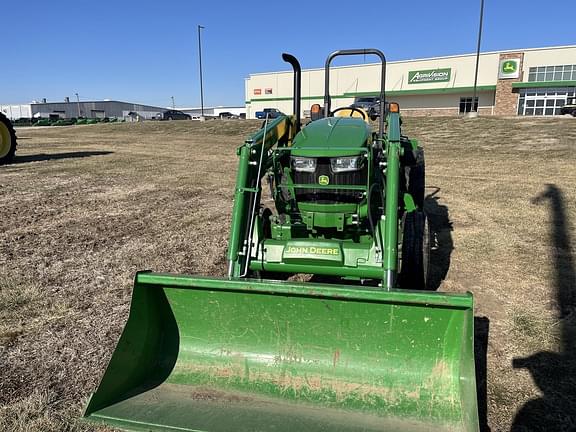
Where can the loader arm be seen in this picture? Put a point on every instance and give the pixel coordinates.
(253, 163)
(392, 151)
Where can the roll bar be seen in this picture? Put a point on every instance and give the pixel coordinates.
(382, 81)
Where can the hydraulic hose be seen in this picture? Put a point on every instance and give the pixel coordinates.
(370, 220)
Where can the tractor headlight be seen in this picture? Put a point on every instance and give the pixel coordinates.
(303, 164)
(345, 164)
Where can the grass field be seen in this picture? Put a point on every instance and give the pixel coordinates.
(85, 207)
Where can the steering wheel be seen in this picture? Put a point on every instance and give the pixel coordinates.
(352, 109)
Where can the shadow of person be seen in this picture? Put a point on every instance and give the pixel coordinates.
(554, 373)
(441, 246)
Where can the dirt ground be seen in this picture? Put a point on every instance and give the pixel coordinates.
(85, 207)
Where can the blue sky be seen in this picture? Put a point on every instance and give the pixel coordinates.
(147, 51)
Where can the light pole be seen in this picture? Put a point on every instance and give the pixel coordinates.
(173, 104)
(78, 104)
(474, 109)
(200, 62)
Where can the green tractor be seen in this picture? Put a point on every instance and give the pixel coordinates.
(7, 140)
(361, 346)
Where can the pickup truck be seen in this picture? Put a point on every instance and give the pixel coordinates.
(271, 112)
(569, 107)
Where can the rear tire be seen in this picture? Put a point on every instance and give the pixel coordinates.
(7, 141)
(415, 252)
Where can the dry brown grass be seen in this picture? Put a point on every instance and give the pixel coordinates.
(85, 207)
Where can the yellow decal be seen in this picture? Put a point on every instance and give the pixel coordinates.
(312, 250)
(323, 180)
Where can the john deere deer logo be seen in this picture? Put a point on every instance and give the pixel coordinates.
(323, 180)
(509, 67)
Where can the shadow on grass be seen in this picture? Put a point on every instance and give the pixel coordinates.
(441, 244)
(55, 156)
(554, 372)
(481, 334)
(441, 249)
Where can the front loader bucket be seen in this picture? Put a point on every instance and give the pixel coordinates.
(202, 354)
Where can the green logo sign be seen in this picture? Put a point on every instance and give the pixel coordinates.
(429, 76)
(509, 68)
(324, 180)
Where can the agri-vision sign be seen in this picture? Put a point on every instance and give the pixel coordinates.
(429, 76)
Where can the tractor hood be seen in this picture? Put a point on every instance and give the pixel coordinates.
(332, 136)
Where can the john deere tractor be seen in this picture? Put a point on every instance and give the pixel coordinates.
(7, 140)
(360, 346)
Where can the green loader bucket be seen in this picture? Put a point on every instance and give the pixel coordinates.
(205, 354)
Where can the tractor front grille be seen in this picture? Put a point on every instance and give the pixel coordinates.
(323, 196)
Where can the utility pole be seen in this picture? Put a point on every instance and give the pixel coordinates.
(200, 62)
(473, 109)
(78, 104)
(173, 104)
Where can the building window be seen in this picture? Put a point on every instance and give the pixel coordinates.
(552, 73)
(543, 102)
(466, 105)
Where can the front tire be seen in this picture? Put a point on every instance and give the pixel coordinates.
(7, 141)
(417, 182)
(415, 252)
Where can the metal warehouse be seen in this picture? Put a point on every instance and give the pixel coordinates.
(528, 82)
(90, 109)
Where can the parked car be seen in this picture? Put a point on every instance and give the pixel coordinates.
(570, 107)
(175, 115)
(370, 104)
(271, 112)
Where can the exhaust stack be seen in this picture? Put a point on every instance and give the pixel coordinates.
(289, 58)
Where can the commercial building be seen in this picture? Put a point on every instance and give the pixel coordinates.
(215, 111)
(90, 109)
(527, 82)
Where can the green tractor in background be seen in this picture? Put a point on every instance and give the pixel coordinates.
(7, 140)
(370, 351)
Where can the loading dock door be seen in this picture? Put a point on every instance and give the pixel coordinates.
(98, 114)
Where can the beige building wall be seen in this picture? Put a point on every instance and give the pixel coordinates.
(548, 57)
(274, 90)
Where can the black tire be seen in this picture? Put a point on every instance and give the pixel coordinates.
(417, 182)
(415, 252)
(7, 139)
